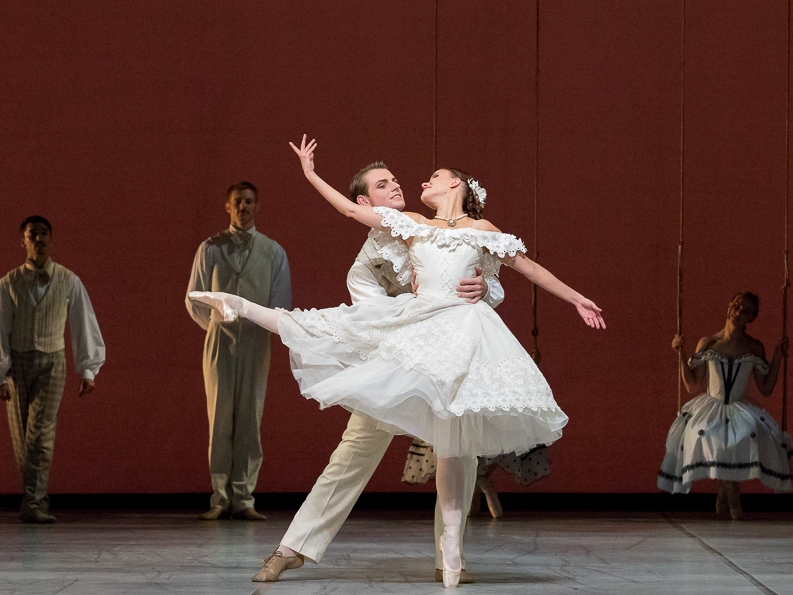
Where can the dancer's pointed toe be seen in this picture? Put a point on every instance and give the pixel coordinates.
(215, 300)
(450, 549)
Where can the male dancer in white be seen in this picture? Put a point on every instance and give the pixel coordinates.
(363, 444)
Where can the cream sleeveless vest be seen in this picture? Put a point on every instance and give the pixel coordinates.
(39, 327)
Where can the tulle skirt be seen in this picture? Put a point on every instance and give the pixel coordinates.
(444, 371)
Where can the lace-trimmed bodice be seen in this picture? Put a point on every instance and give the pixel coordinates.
(440, 257)
(728, 377)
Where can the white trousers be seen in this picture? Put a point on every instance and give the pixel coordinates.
(334, 494)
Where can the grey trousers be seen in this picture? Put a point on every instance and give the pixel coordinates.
(37, 383)
(236, 364)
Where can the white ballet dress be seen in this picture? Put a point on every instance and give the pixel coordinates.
(430, 365)
(718, 435)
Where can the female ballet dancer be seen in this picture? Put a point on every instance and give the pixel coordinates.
(430, 365)
(718, 435)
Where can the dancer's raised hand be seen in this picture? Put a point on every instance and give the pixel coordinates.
(590, 313)
(306, 154)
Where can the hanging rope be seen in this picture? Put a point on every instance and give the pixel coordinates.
(435, 98)
(535, 331)
(787, 227)
(680, 362)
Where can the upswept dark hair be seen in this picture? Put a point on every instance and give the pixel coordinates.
(471, 205)
(34, 219)
(751, 297)
(358, 185)
(242, 186)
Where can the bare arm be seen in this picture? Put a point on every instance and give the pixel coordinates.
(542, 277)
(766, 383)
(362, 213)
(692, 378)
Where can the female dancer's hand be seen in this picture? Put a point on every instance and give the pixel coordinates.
(590, 313)
(678, 342)
(306, 154)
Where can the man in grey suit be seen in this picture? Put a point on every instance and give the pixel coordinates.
(244, 262)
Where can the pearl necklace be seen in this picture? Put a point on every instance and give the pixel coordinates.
(451, 222)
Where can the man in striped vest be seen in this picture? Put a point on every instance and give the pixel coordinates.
(36, 301)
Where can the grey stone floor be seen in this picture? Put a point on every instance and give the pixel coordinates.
(145, 553)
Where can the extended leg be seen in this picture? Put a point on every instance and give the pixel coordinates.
(332, 497)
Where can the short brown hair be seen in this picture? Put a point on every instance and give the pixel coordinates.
(239, 186)
(358, 186)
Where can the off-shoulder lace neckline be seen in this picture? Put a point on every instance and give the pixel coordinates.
(725, 356)
(429, 226)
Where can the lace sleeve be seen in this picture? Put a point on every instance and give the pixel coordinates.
(497, 246)
(394, 250)
(401, 225)
(501, 244)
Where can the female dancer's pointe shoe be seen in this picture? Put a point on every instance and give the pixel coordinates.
(491, 495)
(450, 548)
(222, 302)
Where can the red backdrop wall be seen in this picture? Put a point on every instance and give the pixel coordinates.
(125, 123)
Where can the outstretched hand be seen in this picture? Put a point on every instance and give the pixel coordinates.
(678, 342)
(590, 313)
(306, 154)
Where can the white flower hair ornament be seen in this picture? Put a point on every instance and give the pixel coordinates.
(481, 193)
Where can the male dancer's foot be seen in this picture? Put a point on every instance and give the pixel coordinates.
(213, 514)
(276, 564)
(250, 514)
(38, 517)
(279, 562)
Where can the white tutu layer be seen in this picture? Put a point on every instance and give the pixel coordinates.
(447, 372)
(735, 442)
